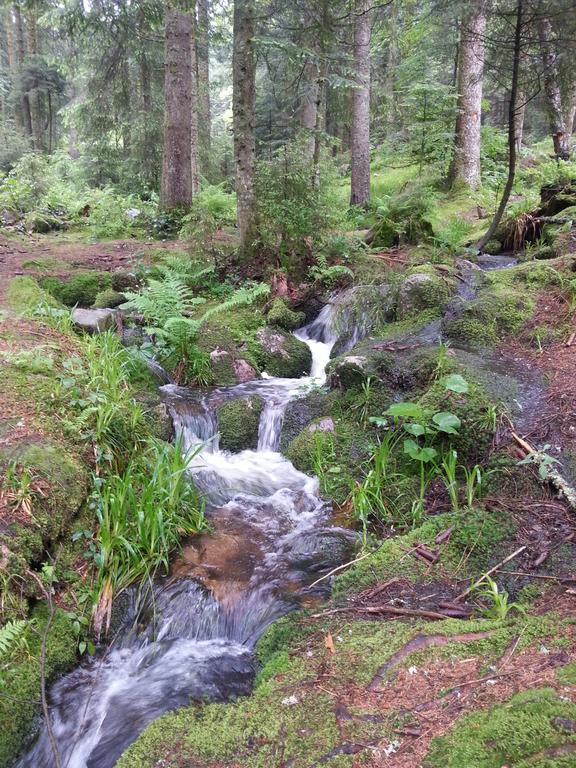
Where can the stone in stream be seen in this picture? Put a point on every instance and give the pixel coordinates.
(282, 354)
(244, 371)
(238, 423)
(94, 320)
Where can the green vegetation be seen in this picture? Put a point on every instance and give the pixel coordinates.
(530, 729)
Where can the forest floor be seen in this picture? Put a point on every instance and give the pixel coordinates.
(380, 675)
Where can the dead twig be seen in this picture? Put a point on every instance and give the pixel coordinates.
(479, 581)
(339, 568)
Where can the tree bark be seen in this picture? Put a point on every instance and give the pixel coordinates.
(512, 110)
(360, 138)
(20, 54)
(309, 103)
(552, 88)
(570, 112)
(243, 109)
(465, 166)
(34, 92)
(176, 186)
(194, 131)
(203, 61)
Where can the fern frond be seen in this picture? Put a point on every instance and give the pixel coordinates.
(12, 637)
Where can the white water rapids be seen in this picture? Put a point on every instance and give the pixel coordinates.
(180, 643)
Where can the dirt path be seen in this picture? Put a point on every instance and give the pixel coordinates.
(58, 255)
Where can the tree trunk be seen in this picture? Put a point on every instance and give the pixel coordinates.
(308, 107)
(519, 117)
(360, 139)
(243, 108)
(176, 186)
(20, 54)
(203, 59)
(393, 122)
(194, 131)
(465, 166)
(552, 87)
(512, 110)
(34, 93)
(570, 112)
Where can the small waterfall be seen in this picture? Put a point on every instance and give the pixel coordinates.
(179, 643)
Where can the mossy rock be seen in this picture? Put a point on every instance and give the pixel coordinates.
(496, 312)
(238, 422)
(419, 291)
(228, 337)
(493, 247)
(21, 679)
(108, 299)
(334, 447)
(67, 478)
(534, 729)
(81, 289)
(124, 281)
(348, 371)
(299, 413)
(281, 354)
(281, 316)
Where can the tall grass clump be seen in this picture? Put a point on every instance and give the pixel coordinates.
(142, 514)
(97, 385)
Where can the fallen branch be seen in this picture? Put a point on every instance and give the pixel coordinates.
(479, 581)
(339, 568)
(553, 476)
(392, 609)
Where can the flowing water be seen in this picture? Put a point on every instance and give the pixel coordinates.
(191, 636)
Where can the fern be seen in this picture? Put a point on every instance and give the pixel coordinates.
(12, 637)
(184, 269)
(162, 300)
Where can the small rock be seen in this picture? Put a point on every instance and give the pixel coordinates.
(564, 724)
(324, 425)
(244, 371)
(94, 320)
(289, 701)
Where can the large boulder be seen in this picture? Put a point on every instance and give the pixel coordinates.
(420, 291)
(238, 423)
(94, 320)
(281, 354)
(348, 371)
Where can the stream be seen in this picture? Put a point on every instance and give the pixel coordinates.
(191, 636)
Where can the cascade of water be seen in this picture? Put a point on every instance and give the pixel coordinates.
(194, 646)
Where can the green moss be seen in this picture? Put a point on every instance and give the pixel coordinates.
(52, 512)
(473, 545)
(238, 422)
(281, 316)
(108, 299)
(420, 291)
(493, 314)
(20, 700)
(24, 295)
(336, 456)
(81, 289)
(493, 247)
(528, 730)
(250, 733)
(42, 221)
